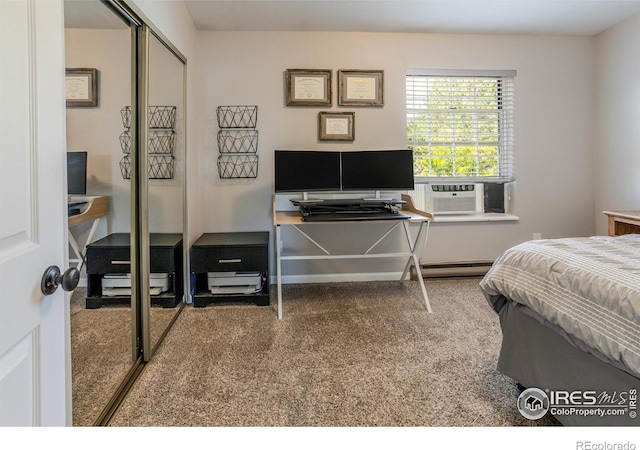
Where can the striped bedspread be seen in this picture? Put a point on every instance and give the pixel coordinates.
(589, 287)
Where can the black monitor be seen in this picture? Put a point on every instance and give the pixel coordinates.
(306, 171)
(77, 173)
(377, 170)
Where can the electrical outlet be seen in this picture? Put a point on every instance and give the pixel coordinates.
(537, 236)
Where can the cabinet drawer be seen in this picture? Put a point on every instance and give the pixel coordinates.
(108, 260)
(118, 260)
(229, 259)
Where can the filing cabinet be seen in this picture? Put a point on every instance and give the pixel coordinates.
(233, 257)
(111, 255)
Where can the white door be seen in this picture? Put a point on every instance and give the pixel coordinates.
(34, 331)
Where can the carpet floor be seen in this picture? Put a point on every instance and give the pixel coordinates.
(101, 353)
(344, 355)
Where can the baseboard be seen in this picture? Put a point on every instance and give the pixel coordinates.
(447, 269)
(338, 278)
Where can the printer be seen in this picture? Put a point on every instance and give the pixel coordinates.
(120, 284)
(234, 282)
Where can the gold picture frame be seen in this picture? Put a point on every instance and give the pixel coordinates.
(81, 87)
(361, 87)
(308, 87)
(336, 126)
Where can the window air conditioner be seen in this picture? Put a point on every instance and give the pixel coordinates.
(455, 198)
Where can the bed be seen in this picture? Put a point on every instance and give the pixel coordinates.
(569, 311)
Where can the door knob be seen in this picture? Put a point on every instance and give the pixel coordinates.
(52, 278)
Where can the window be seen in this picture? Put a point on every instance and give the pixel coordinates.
(460, 124)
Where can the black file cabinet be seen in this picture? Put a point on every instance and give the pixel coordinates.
(242, 252)
(112, 255)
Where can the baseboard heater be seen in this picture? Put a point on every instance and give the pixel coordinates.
(449, 269)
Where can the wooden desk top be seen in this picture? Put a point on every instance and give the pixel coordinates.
(98, 206)
(293, 217)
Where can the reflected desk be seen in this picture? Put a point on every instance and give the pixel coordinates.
(293, 219)
(96, 207)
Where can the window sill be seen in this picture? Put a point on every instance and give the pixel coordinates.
(475, 217)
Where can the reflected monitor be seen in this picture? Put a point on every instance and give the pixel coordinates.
(77, 173)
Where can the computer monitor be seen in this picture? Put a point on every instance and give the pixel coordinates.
(306, 171)
(77, 173)
(377, 170)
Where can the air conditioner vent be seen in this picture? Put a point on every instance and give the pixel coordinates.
(455, 198)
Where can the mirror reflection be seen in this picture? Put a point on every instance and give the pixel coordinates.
(165, 190)
(106, 336)
(101, 348)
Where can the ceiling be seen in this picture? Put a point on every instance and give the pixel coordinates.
(550, 17)
(535, 17)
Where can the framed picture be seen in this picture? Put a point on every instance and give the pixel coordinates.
(308, 87)
(81, 87)
(336, 126)
(361, 87)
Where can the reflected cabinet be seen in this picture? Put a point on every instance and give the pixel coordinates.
(109, 270)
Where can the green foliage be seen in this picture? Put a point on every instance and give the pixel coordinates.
(453, 128)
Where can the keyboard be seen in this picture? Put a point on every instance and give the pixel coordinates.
(75, 208)
(348, 202)
(353, 215)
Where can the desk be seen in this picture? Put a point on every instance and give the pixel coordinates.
(623, 222)
(96, 208)
(294, 219)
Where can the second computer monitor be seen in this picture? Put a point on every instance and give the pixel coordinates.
(379, 170)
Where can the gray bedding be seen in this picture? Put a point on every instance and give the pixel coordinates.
(587, 287)
(538, 354)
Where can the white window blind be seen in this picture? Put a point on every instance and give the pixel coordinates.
(460, 125)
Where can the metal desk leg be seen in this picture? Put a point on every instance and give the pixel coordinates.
(414, 259)
(76, 249)
(81, 253)
(279, 270)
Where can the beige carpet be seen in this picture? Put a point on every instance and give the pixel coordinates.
(101, 353)
(345, 354)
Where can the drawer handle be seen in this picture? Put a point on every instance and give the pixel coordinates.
(227, 261)
(121, 262)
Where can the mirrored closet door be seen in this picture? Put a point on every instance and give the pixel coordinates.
(126, 303)
(96, 38)
(165, 153)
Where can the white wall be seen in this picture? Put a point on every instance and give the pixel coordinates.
(554, 122)
(617, 151)
(567, 126)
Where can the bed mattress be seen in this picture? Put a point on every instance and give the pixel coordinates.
(588, 287)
